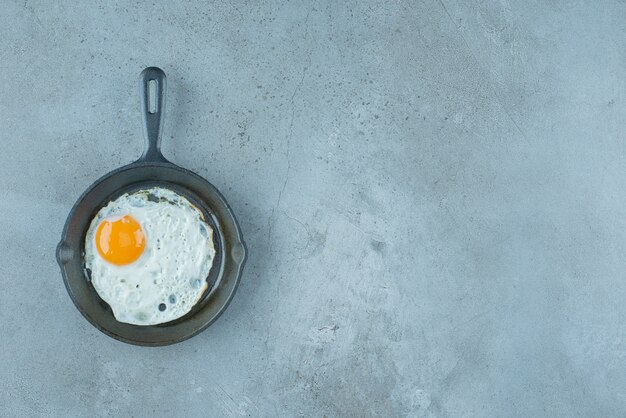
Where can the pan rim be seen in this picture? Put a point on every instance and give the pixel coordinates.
(233, 276)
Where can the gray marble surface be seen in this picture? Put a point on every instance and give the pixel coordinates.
(432, 194)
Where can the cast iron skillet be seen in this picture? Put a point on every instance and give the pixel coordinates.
(152, 169)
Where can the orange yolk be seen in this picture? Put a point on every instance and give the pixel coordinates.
(121, 241)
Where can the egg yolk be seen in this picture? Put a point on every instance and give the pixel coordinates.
(121, 241)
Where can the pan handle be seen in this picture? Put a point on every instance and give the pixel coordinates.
(152, 85)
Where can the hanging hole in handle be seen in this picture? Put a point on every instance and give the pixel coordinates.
(152, 105)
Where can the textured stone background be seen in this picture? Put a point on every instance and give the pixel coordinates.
(432, 194)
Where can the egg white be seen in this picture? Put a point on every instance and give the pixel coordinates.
(173, 267)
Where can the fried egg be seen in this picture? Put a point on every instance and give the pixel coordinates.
(148, 254)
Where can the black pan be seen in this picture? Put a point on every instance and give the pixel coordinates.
(150, 170)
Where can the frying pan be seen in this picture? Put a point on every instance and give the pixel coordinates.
(152, 169)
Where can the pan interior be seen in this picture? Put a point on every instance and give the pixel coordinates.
(209, 217)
